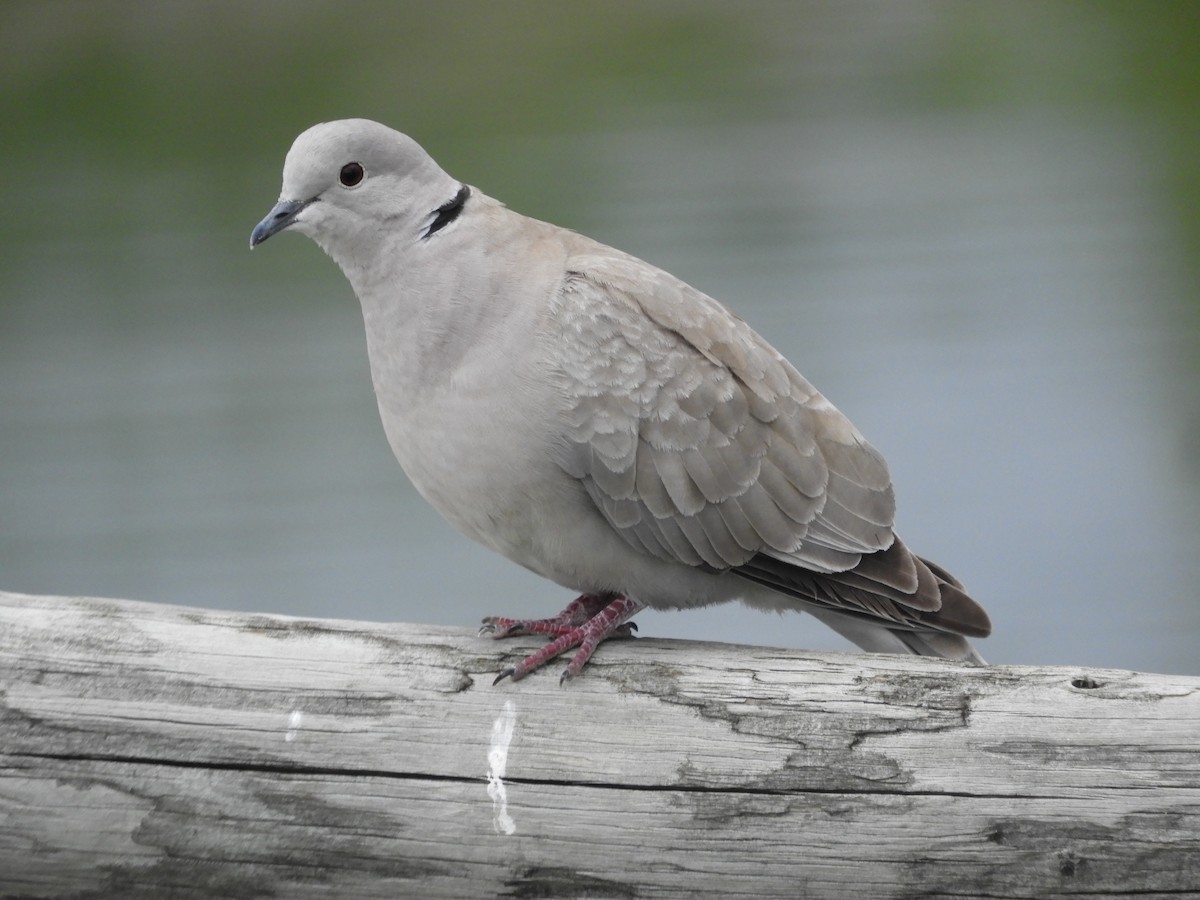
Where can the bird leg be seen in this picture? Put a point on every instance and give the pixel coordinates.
(587, 620)
(576, 613)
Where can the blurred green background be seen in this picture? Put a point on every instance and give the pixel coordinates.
(975, 226)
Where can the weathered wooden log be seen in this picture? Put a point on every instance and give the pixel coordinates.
(153, 751)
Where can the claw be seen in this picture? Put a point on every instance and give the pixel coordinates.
(628, 630)
(585, 623)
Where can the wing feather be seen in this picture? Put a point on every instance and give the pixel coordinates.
(701, 445)
(709, 416)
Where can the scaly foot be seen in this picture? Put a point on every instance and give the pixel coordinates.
(587, 620)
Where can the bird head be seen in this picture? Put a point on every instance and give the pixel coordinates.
(344, 181)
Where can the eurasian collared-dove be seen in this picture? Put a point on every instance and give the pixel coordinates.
(600, 422)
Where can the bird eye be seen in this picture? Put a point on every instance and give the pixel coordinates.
(351, 174)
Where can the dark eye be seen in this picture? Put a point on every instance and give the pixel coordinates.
(351, 174)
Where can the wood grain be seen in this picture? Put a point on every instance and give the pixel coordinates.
(150, 750)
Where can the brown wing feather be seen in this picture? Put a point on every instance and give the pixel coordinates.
(701, 444)
(907, 591)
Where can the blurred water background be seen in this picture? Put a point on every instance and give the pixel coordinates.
(975, 226)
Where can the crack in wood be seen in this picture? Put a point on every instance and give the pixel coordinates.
(355, 773)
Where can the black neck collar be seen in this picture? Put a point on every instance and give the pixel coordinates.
(447, 212)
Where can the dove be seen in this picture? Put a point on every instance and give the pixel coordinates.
(602, 423)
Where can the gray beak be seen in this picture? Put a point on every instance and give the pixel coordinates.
(280, 217)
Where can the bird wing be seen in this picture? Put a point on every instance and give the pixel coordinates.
(697, 440)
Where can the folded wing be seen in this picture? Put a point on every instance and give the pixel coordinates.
(701, 444)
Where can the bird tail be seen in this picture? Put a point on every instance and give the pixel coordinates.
(891, 602)
(875, 637)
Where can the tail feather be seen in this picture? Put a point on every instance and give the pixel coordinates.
(875, 637)
(893, 602)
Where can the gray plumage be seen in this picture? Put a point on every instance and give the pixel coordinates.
(599, 421)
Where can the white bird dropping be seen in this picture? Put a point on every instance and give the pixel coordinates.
(502, 732)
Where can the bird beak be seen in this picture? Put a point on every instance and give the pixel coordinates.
(280, 217)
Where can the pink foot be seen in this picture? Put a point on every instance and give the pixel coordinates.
(576, 613)
(587, 620)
